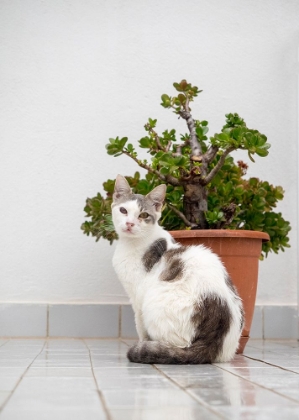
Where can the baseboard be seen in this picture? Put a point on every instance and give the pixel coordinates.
(117, 320)
(270, 322)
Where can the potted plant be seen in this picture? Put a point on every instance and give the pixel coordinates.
(208, 198)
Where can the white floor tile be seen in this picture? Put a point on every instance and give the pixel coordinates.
(70, 378)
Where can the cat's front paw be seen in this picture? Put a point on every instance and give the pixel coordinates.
(134, 353)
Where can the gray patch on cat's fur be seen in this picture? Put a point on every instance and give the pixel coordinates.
(174, 252)
(174, 265)
(154, 254)
(211, 319)
(173, 271)
(242, 321)
(122, 198)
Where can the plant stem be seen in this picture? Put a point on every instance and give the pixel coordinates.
(210, 154)
(181, 215)
(195, 203)
(179, 147)
(165, 178)
(194, 143)
(157, 138)
(218, 166)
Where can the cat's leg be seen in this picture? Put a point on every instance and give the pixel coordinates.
(141, 331)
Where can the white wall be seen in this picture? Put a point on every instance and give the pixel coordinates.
(74, 73)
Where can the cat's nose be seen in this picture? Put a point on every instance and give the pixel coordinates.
(129, 224)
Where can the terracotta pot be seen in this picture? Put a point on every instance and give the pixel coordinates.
(240, 251)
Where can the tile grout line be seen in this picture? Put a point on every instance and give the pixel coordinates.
(101, 396)
(259, 385)
(230, 372)
(194, 397)
(271, 364)
(263, 323)
(48, 321)
(3, 344)
(120, 321)
(255, 347)
(21, 377)
(124, 342)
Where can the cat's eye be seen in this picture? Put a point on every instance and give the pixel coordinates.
(143, 215)
(123, 210)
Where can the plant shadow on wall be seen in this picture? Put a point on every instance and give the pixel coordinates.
(206, 189)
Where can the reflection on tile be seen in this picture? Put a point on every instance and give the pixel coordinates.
(66, 344)
(102, 346)
(55, 385)
(138, 398)
(127, 372)
(164, 413)
(245, 395)
(37, 394)
(206, 376)
(241, 361)
(258, 413)
(52, 412)
(270, 377)
(44, 362)
(270, 345)
(45, 372)
(292, 393)
(189, 369)
(62, 378)
(140, 381)
(4, 396)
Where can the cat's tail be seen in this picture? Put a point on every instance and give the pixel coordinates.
(154, 352)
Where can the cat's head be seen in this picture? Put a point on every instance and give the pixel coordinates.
(134, 215)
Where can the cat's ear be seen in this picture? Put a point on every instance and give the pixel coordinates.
(121, 188)
(157, 196)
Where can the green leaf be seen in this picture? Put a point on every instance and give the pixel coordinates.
(130, 148)
(166, 101)
(182, 99)
(115, 146)
(250, 157)
(152, 123)
(145, 142)
(262, 152)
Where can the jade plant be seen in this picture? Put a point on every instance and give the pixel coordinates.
(206, 189)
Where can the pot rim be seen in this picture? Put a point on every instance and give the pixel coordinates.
(223, 233)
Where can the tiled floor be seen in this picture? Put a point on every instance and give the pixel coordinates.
(90, 379)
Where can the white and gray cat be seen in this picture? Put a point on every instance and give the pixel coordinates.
(186, 308)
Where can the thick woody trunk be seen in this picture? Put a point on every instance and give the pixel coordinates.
(195, 204)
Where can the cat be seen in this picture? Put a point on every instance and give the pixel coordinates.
(187, 310)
